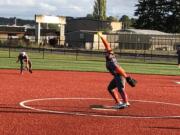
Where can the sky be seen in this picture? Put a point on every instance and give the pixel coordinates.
(26, 9)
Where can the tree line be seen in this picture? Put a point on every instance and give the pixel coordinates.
(163, 15)
(15, 21)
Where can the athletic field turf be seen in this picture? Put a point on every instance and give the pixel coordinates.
(60, 103)
(59, 99)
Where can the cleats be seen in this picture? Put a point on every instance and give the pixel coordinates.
(30, 70)
(122, 105)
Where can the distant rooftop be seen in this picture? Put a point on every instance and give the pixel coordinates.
(146, 32)
(11, 29)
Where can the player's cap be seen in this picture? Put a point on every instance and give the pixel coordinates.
(23, 53)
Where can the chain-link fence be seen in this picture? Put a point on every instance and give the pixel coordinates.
(87, 45)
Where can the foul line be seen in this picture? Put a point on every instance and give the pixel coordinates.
(178, 82)
(23, 104)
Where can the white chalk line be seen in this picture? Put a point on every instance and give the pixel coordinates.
(178, 82)
(23, 104)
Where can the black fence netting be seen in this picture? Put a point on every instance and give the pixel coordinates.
(127, 47)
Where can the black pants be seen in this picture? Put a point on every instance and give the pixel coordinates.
(117, 81)
(22, 64)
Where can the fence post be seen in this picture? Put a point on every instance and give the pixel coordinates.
(151, 54)
(76, 54)
(43, 52)
(9, 52)
(144, 52)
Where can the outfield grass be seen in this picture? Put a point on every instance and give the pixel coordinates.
(86, 63)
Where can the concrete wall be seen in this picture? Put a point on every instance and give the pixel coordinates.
(89, 40)
(91, 25)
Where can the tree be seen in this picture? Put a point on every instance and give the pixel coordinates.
(133, 22)
(89, 16)
(126, 22)
(150, 14)
(112, 18)
(173, 16)
(160, 15)
(99, 9)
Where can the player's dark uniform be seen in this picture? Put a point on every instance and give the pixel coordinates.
(118, 80)
(22, 57)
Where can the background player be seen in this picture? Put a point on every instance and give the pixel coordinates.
(120, 77)
(24, 59)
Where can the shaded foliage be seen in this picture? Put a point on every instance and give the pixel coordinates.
(19, 22)
(99, 9)
(126, 22)
(163, 15)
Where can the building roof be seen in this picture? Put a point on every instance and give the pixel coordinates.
(145, 32)
(11, 29)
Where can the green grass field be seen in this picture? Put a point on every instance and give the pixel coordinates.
(86, 63)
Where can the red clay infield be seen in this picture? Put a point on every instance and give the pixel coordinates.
(59, 103)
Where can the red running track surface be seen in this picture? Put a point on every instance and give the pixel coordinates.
(60, 104)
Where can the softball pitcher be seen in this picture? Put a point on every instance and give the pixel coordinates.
(119, 78)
